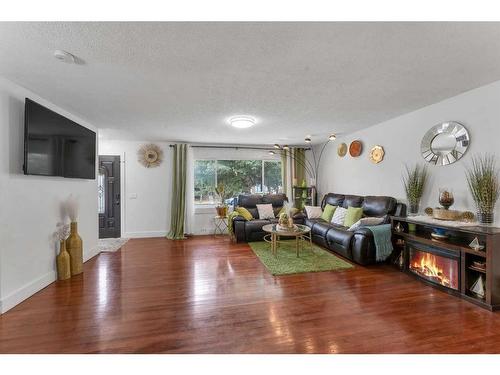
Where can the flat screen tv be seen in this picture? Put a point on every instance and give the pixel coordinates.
(56, 146)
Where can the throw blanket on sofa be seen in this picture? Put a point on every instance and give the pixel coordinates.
(382, 238)
(230, 218)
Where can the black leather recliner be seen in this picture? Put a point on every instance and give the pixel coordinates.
(357, 245)
(251, 230)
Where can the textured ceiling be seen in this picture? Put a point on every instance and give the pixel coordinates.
(181, 81)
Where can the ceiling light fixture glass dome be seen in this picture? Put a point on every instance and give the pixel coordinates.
(242, 122)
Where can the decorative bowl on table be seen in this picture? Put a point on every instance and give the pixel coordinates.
(286, 228)
(439, 234)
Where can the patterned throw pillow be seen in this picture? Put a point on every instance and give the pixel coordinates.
(339, 216)
(313, 212)
(265, 211)
(366, 221)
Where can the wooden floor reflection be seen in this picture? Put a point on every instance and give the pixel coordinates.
(207, 295)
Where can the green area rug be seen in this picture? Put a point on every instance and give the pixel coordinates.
(287, 263)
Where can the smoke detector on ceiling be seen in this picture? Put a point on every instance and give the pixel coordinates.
(64, 56)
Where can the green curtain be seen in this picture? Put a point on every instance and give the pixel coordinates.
(299, 161)
(178, 200)
(284, 173)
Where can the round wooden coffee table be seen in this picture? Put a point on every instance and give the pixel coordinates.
(300, 232)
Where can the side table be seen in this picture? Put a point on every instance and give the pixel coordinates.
(221, 227)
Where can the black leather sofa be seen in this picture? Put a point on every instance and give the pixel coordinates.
(357, 245)
(246, 231)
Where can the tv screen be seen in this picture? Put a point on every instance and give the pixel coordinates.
(56, 146)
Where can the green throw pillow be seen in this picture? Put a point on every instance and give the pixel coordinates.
(352, 215)
(244, 212)
(328, 212)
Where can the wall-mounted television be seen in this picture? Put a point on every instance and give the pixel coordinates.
(56, 146)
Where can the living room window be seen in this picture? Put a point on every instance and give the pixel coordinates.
(237, 176)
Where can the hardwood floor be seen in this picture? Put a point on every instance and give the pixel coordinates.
(207, 295)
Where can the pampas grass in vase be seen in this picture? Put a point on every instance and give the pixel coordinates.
(74, 243)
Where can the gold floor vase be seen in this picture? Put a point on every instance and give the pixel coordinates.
(75, 250)
(63, 263)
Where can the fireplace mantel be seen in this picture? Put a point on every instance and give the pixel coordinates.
(407, 243)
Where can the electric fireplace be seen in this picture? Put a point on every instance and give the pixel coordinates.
(439, 266)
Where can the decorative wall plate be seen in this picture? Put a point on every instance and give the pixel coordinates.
(342, 150)
(377, 154)
(355, 148)
(150, 155)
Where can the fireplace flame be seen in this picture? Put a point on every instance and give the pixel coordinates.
(426, 265)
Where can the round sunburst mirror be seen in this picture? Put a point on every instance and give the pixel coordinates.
(445, 143)
(150, 155)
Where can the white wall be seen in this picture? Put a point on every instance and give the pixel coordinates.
(478, 110)
(148, 214)
(145, 192)
(30, 206)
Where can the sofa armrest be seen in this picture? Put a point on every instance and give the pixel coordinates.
(239, 228)
(363, 247)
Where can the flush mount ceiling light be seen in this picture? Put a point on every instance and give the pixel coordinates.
(271, 152)
(242, 122)
(277, 146)
(64, 56)
(332, 137)
(308, 139)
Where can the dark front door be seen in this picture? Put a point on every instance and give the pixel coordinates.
(109, 196)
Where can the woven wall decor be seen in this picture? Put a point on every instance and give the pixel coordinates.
(377, 154)
(150, 155)
(342, 150)
(355, 148)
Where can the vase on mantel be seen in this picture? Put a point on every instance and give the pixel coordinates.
(63, 262)
(413, 208)
(485, 216)
(75, 250)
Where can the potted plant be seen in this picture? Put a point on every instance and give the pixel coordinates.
(222, 206)
(414, 182)
(482, 178)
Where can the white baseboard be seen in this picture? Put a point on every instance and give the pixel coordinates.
(90, 254)
(145, 234)
(26, 291)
